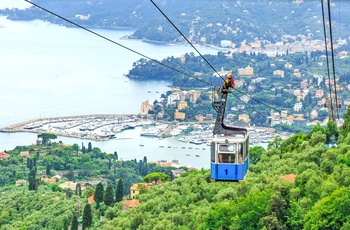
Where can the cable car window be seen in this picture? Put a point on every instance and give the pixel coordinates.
(240, 153)
(246, 153)
(212, 152)
(226, 148)
(226, 158)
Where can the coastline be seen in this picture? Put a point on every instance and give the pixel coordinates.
(42, 125)
(104, 127)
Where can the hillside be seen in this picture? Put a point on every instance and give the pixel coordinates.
(318, 199)
(315, 194)
(206, 22)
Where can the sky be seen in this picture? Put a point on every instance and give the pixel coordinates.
(20, 4)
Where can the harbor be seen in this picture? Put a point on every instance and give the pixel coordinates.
(133, 136)
(104, 127)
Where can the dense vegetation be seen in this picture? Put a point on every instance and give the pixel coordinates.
(318, 199)
(75, 163)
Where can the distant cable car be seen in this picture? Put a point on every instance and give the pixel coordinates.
(229, 147)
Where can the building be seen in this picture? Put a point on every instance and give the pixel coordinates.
(343, 54)
(145, 107)
(225, 43)
(222, 72)
(300, 97)
(313, 114)
(179, 115)
(200, 118)
(299, 121)
(298, 75)
(127, 204)
(4, 155)
(136, 188)
(319, 93)
(193, 95)
(255, 45)
(284, 113)
(24, 154)
(91, 199)
(289, 177)
(181, 105)
(304, 84)
(183, 95)
(244, 47)
(177, 172)
(70, 185)
(247, 71)
(82, 17)
(239, 83)
(298, 106)
(244, 117)
(278, 73)
(173, 98)
(288, 66)
(209, 116)
(337, 87)
(182, 59)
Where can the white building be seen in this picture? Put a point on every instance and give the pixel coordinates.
(298, 106)
(172, 98)
(226, 43)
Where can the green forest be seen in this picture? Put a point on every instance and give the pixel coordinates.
(319, 198)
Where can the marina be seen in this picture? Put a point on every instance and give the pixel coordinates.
(104, 127)
(189, 143)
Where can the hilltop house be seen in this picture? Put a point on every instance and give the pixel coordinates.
(4, 155)
(136, 188)
(127, 204)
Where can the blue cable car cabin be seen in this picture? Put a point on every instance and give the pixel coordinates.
(229, 147)
(229, 157)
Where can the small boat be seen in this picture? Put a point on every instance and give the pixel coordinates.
(142, 145)
(161, 146)
(169, 146)
(183, 147)
(148, 91)
(197, 155)
(188, 154)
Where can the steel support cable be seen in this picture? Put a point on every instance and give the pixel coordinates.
(332, 51)
(295, 23)
(116, 43)
(203, 56)
(187, 39)
(325, 43)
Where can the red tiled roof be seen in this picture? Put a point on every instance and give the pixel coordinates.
(91, 199)
(4, 155)
(131, 203)
(289, 177)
